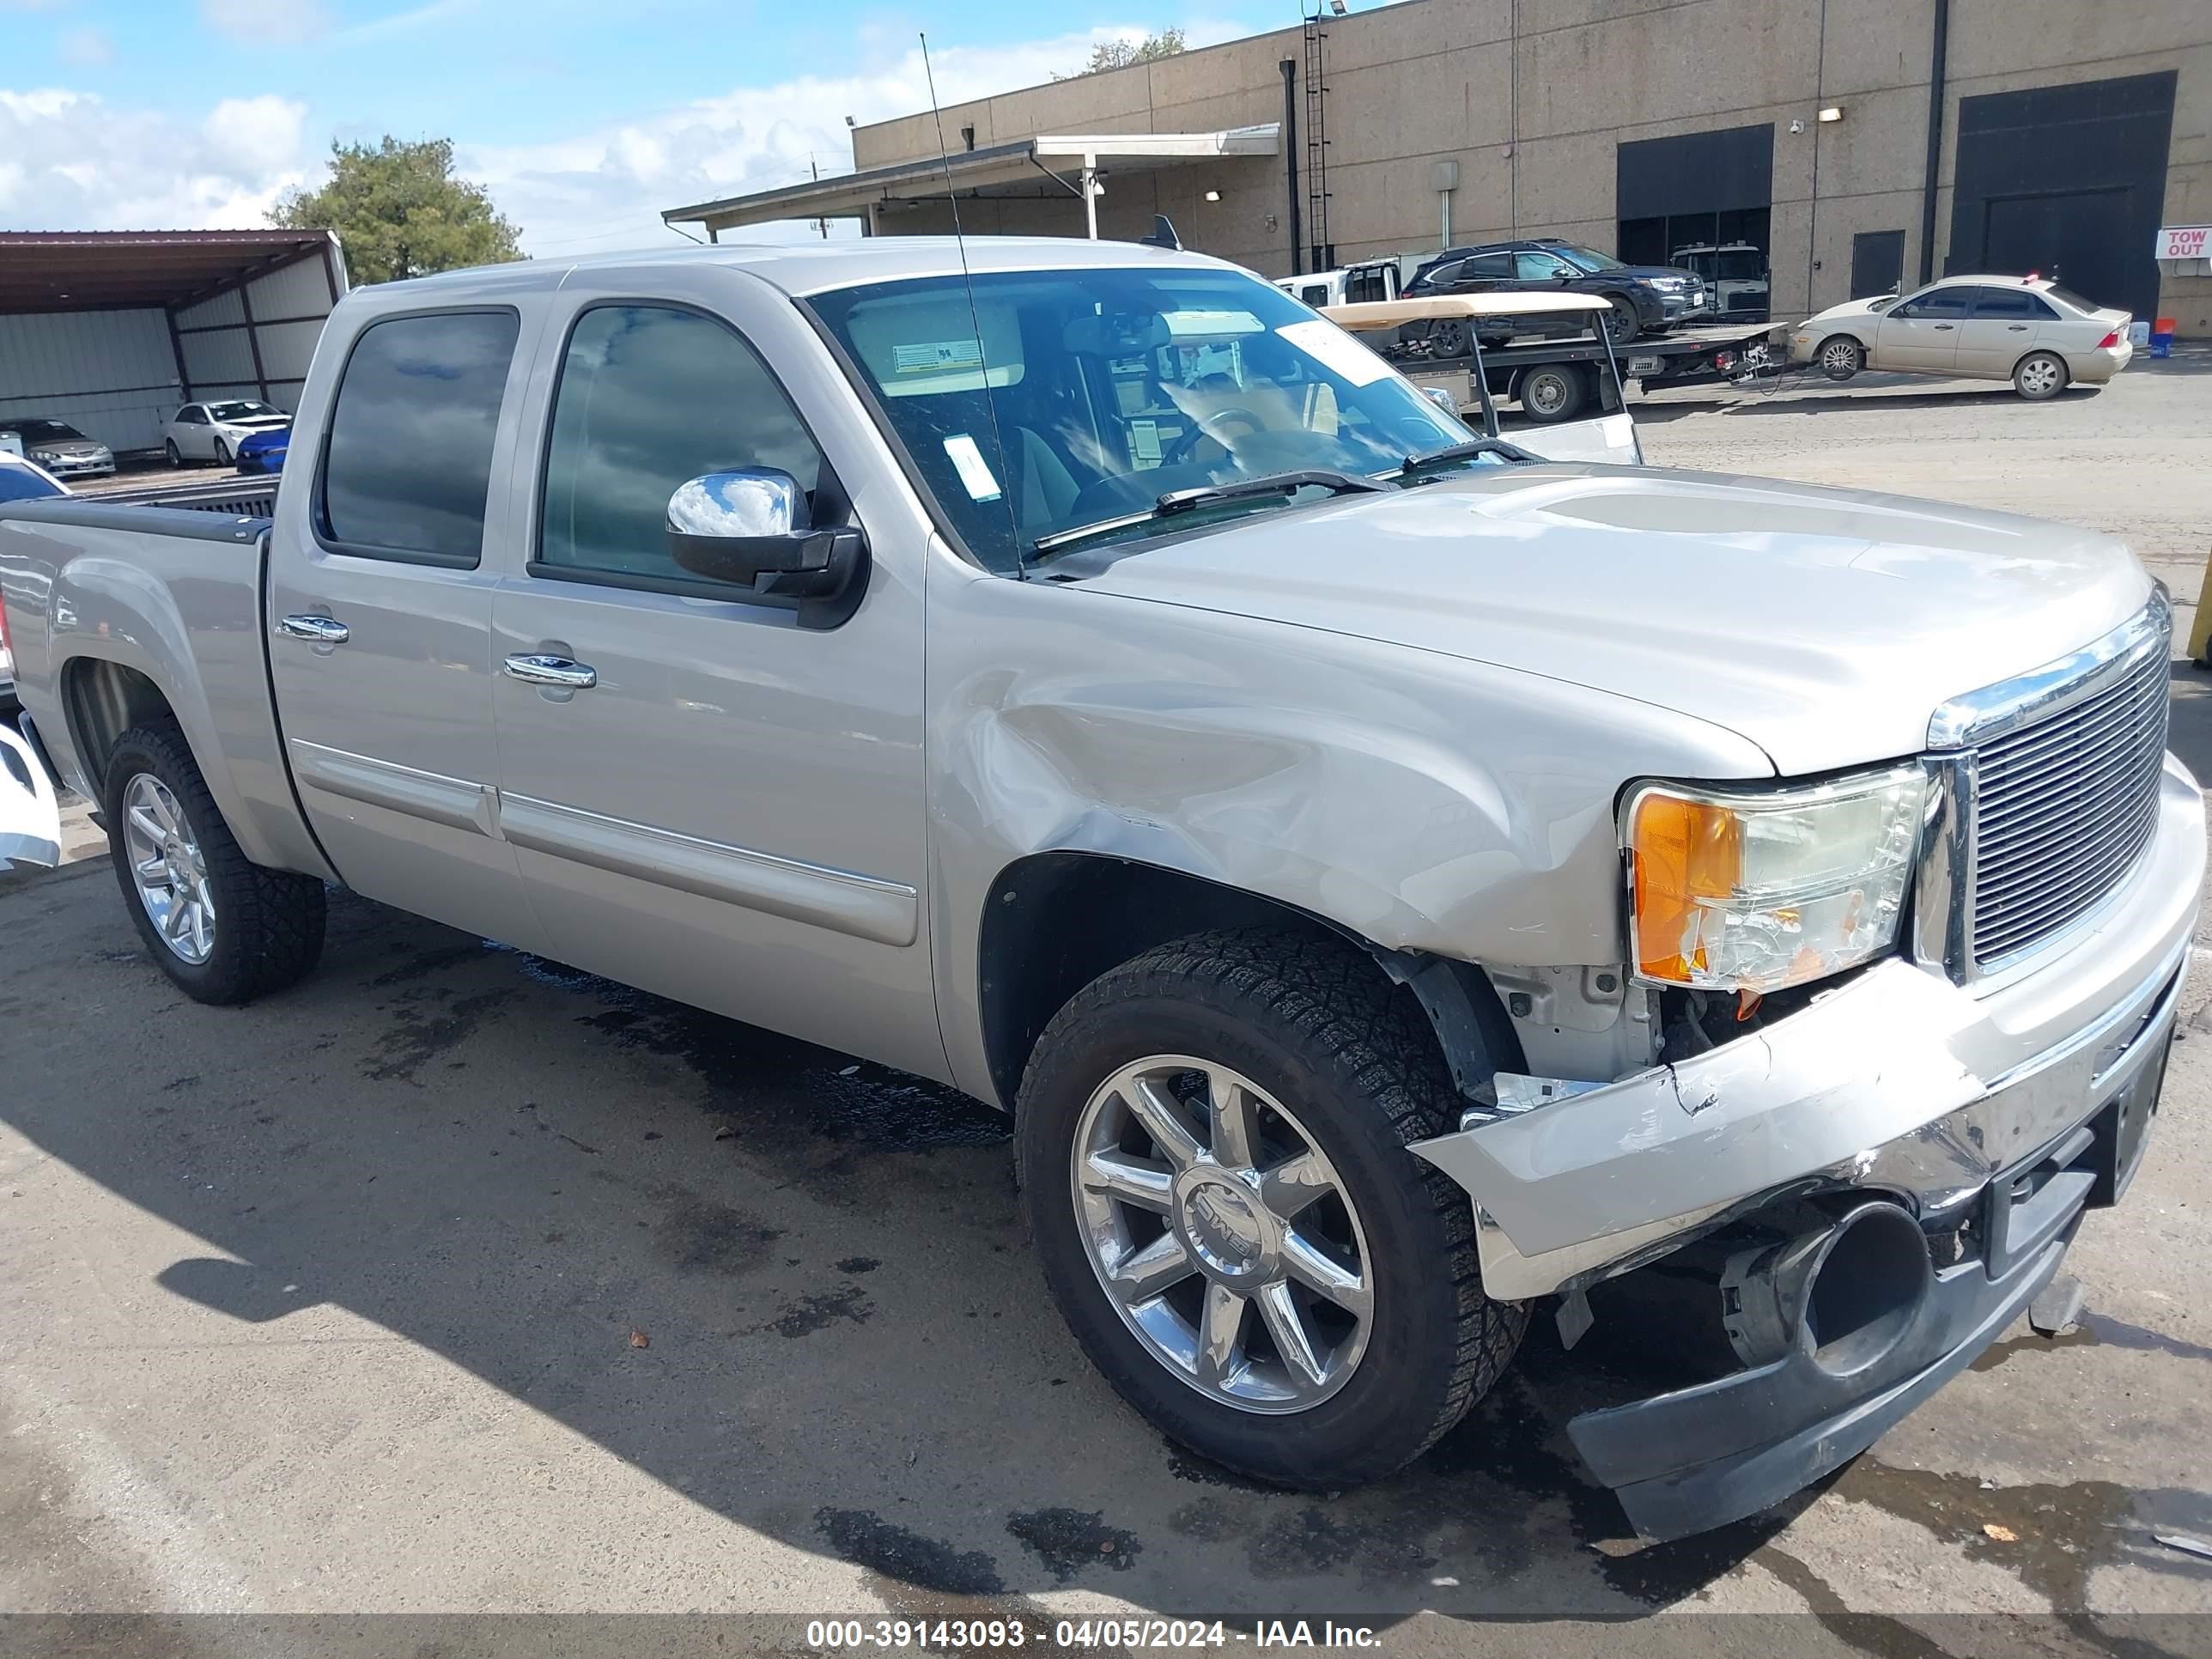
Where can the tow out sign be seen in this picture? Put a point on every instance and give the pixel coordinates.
(2184, 241)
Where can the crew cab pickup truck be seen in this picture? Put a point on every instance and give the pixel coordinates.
(1395, 885)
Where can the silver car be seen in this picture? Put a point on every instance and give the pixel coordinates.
(2040, 336)
(213, 431)
(60, 447)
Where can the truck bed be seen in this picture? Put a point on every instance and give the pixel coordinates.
(172, 595)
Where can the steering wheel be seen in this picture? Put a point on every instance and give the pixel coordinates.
(1221, 425)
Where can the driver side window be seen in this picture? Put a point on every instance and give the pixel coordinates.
(650, 398)
(1945, 302)
(1538, 267)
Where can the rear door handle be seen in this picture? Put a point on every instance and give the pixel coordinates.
(1942, 327)
(535, 669)
(2016, 328)
(323, 631)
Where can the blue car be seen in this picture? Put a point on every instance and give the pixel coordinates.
(264, 451)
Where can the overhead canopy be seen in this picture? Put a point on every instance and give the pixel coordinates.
(1047, 165)
(103, 270)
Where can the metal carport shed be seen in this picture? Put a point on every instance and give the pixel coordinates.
(111, 330)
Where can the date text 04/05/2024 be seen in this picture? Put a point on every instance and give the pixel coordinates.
(953, 1634)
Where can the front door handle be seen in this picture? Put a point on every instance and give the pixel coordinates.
(323, 631)
(1942, 328)
(535, 669)
(2016, 328)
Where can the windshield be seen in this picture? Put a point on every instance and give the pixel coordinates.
(43, 432)
(1588, 258)
(240, 411)
(1065, 397)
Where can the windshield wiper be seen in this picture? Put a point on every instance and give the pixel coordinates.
(1178, 501)
(1473, 449)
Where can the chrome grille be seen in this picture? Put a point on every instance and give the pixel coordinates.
(2064, 806)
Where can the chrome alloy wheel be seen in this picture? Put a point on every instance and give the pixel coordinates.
(167, 869)
(1222, 1234)
(1840, 357)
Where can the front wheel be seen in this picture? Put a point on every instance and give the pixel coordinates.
(176, 456)
(1213, 1147)
(1622, 324)
(1840, 357)
(221, 453)
(2040, 376)
(224, 928)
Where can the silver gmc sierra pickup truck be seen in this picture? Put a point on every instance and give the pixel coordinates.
(1394, 885)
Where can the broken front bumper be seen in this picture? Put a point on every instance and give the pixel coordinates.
(1992, 1116)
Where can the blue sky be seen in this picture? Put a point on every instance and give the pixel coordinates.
(585, 116)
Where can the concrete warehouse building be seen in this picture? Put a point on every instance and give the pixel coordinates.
(2060, 136)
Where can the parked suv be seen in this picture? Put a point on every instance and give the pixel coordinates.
(1645, 299)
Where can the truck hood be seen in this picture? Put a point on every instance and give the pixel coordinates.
(1824, 625)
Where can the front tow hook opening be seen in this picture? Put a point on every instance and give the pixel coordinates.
(1843, 1295)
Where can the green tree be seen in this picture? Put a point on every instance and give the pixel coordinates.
(1120, 54)
(399, 211)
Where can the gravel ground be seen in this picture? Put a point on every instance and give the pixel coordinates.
(454, 1281)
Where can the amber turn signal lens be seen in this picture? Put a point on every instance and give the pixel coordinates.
(1686, 851)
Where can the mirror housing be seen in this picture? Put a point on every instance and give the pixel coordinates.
(752, 528)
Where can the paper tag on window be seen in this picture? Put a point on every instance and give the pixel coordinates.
(975, 471)
(1335, 350)
(1146, 435)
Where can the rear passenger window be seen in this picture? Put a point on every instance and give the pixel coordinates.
(410, 437)
(2015, 304)
(651, 397)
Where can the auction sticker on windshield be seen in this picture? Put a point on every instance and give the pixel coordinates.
(1335, 350)
(975, 471)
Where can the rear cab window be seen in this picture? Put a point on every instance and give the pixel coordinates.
(407, 463)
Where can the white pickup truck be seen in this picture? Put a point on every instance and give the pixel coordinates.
(1392, 883)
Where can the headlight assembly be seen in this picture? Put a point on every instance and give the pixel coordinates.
(1754, 890)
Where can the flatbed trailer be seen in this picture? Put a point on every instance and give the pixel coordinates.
(1557, 380)
(1546, 353)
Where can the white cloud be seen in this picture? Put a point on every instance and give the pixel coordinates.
(605, 190)
(76, 163)
(86, 48)
(252, 23)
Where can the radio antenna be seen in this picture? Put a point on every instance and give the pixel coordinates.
(974, 317)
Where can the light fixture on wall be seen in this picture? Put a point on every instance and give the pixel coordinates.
(1796, 126)
(1214, 196)
(1336, 7)
(1833, 112)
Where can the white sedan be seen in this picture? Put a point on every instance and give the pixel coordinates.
(213, 431)
(2022, 329)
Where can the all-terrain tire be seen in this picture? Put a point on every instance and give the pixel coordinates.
(267, 931)
(1311, 1021)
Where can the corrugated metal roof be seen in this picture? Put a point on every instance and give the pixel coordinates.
(92, 270)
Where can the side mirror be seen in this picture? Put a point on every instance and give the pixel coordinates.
(752, 529)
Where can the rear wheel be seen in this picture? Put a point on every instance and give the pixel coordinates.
(1840, 357)
(224, 928)
(1552, 392)
(1448, 338)
(1212, 1151)
(2040, 376)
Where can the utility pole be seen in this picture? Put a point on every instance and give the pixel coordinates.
(815, 167)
